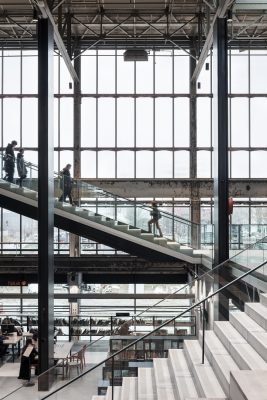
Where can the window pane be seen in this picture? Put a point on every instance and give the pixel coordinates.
(144, 164)
(239, 164)
(125, 122)
(106, 122)
(181, 72)
(203, 122)
(88, 122)
(66, 122)
(11, 120)
(125, 75)
(163, 164)
(29, 73)
(65, 78)
(239, 122)
(106, 72)
(66, 157)
(203, 164)
(258, 122)
(106, 164)
(258, 164)
(240, 215)
(163, 122)
(56, 74)
(88, 72)
(181, 164)
(11, 71)
(144, 122)
(181, 122)
(56, 127)
(239, 72)
(163, 72)
(205, 77)
(29, 123)
(144, 76)
(125, 164)
(88, 164)
(11, 227)
(258, 67)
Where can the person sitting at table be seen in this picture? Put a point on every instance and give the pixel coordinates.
(28, 358)
(3, 347)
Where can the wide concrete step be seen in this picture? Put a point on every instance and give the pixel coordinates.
(263, 299)
(243, 354)
(219, 358)
(181, 375)
(129, 388)
(248, 385)
(186, 250)
(146, 384)
(163, 381)
(122, 228)
(207, 384)
(258, 312)
(254, 334)
(135, 232)
(116, 393)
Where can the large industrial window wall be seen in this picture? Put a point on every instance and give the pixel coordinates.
(135, 124)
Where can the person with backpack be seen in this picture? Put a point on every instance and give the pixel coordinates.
(9, 161)
(66, 184)
(156, 215)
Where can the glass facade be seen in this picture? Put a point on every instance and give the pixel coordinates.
(135, 123)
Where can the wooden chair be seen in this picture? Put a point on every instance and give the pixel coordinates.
(76, 361)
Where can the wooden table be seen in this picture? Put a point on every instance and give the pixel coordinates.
(13, 341)
(61, 352)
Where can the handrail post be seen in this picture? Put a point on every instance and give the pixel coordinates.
(112, 378)
(203, 331)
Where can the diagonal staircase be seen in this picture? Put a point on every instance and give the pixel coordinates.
(235, 364)
(86, 223)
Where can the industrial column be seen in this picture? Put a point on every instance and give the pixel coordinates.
(220, 153)
(195, 200)
(45, 201)
(74, 239)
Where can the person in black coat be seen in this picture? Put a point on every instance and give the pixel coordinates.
(9, 157)
(66, 184)
(21, 167)
(28, 358)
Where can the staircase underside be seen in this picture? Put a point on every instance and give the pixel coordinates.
(93, 230)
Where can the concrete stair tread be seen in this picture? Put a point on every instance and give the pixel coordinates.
(258, 313)
(164, 385)
(248, 385)
(129, 388)
(221, 361)
(99, 397)
(116, 393)
(263, 299)
(239, 318)
(243, 353)
(183, 379)
(146, 384)
(205, 379)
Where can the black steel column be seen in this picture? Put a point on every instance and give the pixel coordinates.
(74, 239)
(220, 153)
(195, 200)
(45, 201)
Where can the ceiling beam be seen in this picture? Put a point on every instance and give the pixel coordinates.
(46, 13)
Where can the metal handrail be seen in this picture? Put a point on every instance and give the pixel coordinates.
(158, 328)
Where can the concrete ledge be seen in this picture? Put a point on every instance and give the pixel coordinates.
(248, 385)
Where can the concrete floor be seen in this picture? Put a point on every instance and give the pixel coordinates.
(83, 389)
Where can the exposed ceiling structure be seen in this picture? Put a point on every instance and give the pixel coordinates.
(130, 23)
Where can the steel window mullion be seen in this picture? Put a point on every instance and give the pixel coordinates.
(154, 116)
(116, 111)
